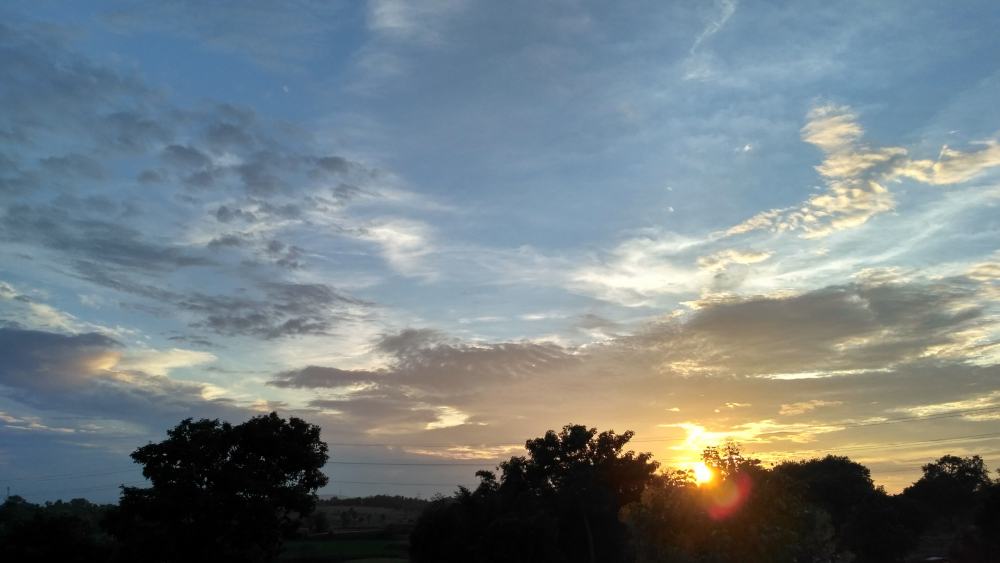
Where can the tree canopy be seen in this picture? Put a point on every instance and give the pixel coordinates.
(221, 492)
(559, 503)
(870, 524)
(745, 513)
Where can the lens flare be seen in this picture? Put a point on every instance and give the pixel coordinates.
(726, 498)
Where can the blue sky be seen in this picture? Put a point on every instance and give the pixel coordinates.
(441, 228)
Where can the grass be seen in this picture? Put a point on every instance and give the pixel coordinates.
(344, 550)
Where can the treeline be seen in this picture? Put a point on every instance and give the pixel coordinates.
(579, 496)
(221, 493)
(61, 531)
(394, 502)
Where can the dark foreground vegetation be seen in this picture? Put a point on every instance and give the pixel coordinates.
(578, 496)
(246, 493)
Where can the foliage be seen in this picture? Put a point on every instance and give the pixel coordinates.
(221, 492)
(64, 532)
(395, 502)
(746, 514)
(949, 489)
(318, 522)
(343, 550)
(868, 523)
(980, 543)
(560, 503)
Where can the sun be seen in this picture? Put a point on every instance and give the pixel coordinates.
(702, 473)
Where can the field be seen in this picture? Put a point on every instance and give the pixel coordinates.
(354, 533)
(371, 551)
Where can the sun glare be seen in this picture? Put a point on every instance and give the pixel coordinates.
(702, 473)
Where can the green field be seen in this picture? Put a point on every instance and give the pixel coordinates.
(345, 550)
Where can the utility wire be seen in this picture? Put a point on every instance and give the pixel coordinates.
(914, 418)
(895, 444)
(901, 469)
(400, 484)
(84, 490)
(70, 475)
(917, 418)
(851, 448)
(411, 464)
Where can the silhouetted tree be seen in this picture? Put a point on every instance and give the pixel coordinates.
(869, 523)
(559, 503)
(221, 492)
(745, 513)
(63, 532)
(949, 489)
(396, 502)
(981, 542)
(318, 522)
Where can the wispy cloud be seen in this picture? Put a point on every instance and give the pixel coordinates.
(800, 408)
(856, 177)
(719, 260)
(726, 10)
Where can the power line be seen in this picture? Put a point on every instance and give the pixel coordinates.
(916, 418)
(860, 447)
(399, 484)
(84, 490)
(70, 475)
(897, 444)
(919, 418)
(409, 464)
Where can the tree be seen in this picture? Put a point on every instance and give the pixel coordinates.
(559, 503)
(950, 489)
(221, 492)
(981, 542)
(64, 532)
(868, 522)
(745, 513)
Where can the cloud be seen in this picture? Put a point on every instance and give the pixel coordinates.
(423, 360)
(855, 326)
(991, 399)
(24, 311)
(799, 408)
(986, 271)
(277, 38)
(726, 10)
(405, 244)
(426, 381)
(879, 324)
(856, 176)
(43, 361)
(955, 167)
(313, 377)
(285, 309)
(591, 321)
(719, 260)
(415, 21)
(160, 362)
(92, 239)
(83, 374)
(640, 269)
(47, 89)
(244, 188)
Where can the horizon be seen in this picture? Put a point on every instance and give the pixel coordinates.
(439, 229)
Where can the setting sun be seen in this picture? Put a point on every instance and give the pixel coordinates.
(702, 473)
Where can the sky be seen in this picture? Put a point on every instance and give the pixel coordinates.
(438, 229)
